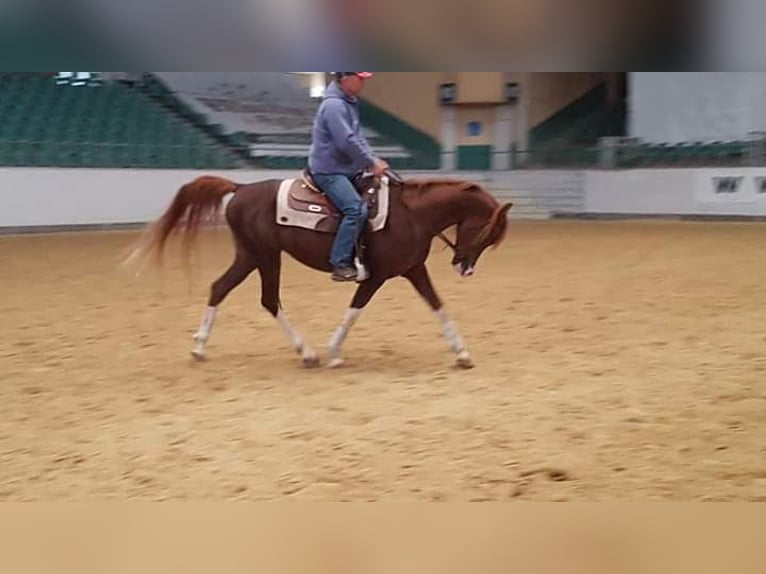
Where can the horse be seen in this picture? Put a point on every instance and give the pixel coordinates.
(415, 212)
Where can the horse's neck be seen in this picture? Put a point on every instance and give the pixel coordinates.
(436, 211)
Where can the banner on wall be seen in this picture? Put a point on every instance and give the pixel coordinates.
(734, 186)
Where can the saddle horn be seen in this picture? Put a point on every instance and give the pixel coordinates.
(394, 176)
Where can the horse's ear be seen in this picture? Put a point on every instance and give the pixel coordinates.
(467, 186)
(502, 214)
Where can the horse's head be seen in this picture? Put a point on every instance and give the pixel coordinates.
(481, 221)
(477, 232)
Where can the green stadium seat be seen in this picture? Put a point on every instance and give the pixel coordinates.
(108, 125)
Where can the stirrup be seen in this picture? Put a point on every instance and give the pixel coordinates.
(362, 274)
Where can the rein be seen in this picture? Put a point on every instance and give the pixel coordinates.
(446, 240)
(395, 177)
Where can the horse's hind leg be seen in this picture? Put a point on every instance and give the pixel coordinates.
(364, 294)
(270, 270)
(243, 265)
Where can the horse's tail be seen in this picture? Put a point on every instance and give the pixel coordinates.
(197, 203)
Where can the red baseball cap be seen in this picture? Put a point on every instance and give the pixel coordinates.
(363, 75)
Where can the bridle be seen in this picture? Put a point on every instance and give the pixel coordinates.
(396, 178)
(447, 240)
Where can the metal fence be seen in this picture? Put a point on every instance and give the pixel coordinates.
(622, 153)
(610, 153)
(35, 153)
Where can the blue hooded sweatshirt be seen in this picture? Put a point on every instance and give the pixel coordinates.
(338, 146)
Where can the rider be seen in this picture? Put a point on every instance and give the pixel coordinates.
(339, 151)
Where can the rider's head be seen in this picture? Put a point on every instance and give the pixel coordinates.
(352, 82)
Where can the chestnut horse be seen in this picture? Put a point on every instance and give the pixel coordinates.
(419, 211)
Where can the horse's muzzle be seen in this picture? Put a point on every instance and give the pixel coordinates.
(463, 269)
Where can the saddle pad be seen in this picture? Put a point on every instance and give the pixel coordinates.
(318, 218)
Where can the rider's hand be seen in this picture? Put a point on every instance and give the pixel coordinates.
(380, 167)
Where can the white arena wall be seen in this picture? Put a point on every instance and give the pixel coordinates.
(42, 199)
(732, 192)
(35, 199)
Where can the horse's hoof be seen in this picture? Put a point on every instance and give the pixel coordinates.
(336, 363)
(464, 361)
(311, 361)
(198, 356)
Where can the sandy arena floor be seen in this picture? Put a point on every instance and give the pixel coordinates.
(614, 361)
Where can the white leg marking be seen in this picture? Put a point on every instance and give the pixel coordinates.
(450, 331)
(454, 339)
(291, 333)
(203, 334)
(310, 358)
(340, 336)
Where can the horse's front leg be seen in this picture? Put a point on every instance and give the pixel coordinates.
(422, 282)
(362, 297)
(270, 281)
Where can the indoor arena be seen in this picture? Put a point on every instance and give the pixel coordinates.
(617, 332)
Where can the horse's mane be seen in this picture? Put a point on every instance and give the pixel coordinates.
(423, 186)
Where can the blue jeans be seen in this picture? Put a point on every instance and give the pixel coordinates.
(344, 196)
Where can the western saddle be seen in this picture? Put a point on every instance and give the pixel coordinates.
(301, 203)
(306, 196)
